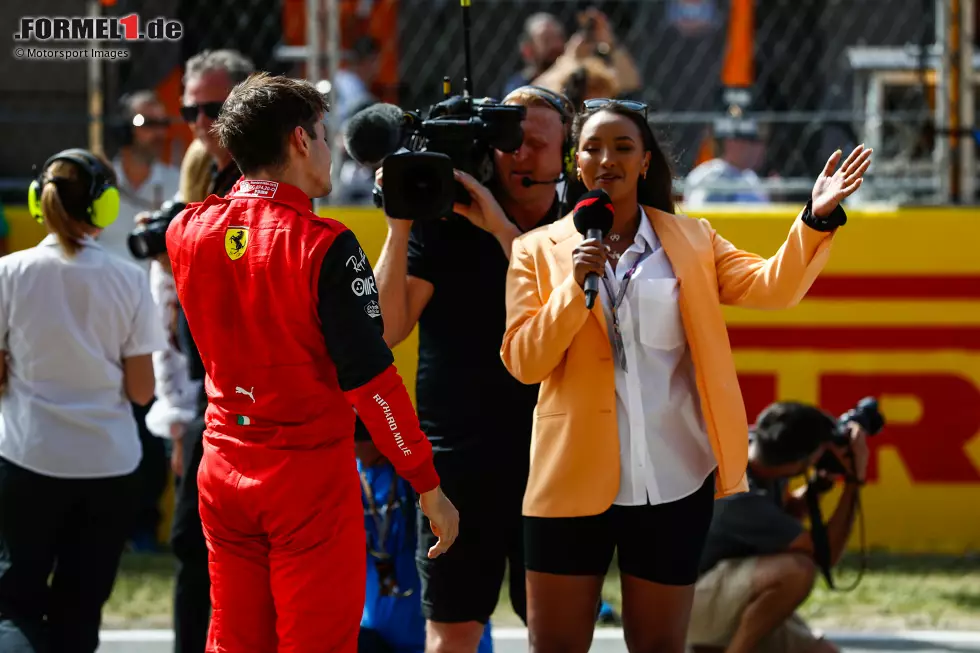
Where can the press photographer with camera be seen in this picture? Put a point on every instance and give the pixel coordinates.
(759, 562)
(448, 277)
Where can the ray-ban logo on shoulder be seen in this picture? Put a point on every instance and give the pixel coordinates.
(67, 29)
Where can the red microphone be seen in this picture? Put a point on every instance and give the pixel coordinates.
(593, 217)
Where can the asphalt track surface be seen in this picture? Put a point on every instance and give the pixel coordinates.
(610, 640)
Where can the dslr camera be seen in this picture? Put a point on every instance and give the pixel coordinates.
(150, 240)
(867, 415)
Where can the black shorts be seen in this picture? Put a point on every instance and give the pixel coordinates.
(464, 583)
(661, 543)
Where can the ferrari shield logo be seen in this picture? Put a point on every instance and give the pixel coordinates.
(236, 242)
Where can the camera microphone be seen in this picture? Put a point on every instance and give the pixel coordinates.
(593, 216)
(527, 182)
(374, 133)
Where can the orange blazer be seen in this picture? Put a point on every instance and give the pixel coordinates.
(552, 339)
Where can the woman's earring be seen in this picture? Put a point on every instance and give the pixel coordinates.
(578, 173)
(644, 174)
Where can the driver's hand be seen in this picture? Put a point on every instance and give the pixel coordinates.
(443, 518)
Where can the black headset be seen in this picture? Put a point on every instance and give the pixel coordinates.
(566, 110)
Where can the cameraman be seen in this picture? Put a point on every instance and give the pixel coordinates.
(758, 564)
(449, 276)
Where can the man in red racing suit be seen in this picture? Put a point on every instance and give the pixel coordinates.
(283, 307)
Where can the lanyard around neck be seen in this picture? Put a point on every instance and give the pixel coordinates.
(617, 300)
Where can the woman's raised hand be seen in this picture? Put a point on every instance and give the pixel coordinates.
(832, 187)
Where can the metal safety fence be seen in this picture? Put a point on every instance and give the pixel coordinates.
(897, 75)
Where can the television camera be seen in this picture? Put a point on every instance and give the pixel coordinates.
(418, 154)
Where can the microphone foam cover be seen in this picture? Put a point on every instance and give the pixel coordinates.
(374, 133)
(594, 210)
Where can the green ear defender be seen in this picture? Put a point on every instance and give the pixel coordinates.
(101, 206)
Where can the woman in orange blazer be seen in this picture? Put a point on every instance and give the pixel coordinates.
(639, 423)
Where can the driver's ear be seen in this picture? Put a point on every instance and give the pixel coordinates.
(301, 140)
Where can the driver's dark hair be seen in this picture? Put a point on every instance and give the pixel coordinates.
(260, 114)
(789, 432)
(657, 188)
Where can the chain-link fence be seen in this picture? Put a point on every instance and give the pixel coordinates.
(823, 74)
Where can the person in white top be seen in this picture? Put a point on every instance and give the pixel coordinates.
(177, 394)
(743, 151)
(77, 341)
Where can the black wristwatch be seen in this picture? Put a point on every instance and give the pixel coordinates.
(837, 218)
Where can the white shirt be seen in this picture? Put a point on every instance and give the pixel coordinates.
(162, 185)
(66, 325)
(176, 393)
(664, 450)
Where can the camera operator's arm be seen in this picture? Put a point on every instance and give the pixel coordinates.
(402, 294)
(486, 213)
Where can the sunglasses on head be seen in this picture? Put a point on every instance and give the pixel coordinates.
(631, 105)
(211, 109)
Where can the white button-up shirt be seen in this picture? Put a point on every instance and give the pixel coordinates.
(66, 324)
(664, 450)
(177, 394)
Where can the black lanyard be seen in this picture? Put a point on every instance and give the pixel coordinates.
(617, 301)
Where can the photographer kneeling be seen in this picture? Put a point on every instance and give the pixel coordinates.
(759, 562)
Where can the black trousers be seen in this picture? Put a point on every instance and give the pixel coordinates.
(75, 528)
(151, 475)
(192, 587)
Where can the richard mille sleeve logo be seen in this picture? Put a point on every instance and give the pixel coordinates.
(393, 425)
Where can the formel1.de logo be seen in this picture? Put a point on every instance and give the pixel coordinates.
(67, 29)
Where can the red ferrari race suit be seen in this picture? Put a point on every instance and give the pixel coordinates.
(283, 307)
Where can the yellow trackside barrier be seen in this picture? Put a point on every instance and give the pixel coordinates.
(896, 315)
